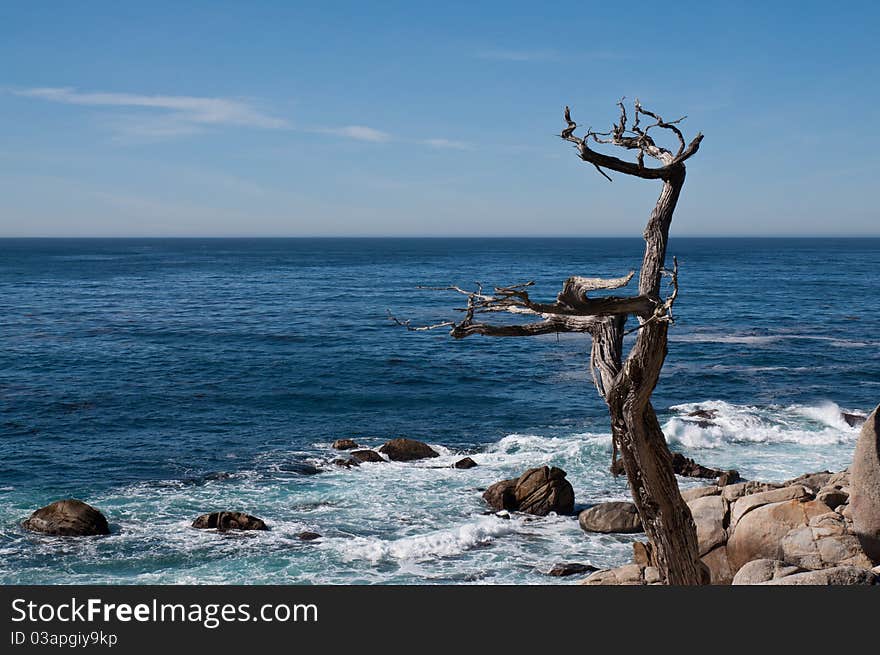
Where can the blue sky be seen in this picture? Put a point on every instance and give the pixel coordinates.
(407, 118)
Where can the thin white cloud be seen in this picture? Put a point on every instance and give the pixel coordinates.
(182, 110)
(358, 132)
(446, 144)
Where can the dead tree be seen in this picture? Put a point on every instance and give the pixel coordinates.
(626, 383)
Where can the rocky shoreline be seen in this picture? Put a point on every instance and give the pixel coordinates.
(819, 528)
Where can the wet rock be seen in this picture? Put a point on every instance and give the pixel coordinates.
(301, 468)
(613, 517)
(570, 568)
(367, 455)
(688, 468)
(840, 575)
(344, 444)
(466, 463)
(853, 420)
(762, 570)
(407, 450)
(308, 536)
(538, 491)
(223, 521)
(707, 414)
(864, 499)
(727, 478)
(345, 463)
(68, 518)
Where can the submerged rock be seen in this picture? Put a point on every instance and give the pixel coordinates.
(344, 444)
(407, 450)
(68, 518)
(223, 521)
(853, 420)
(466, 463)
(864, 499)
(613, 517)
(308, 536)
(367, 455)
(538, 491)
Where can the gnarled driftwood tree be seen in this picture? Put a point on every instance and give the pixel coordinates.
(626, 383)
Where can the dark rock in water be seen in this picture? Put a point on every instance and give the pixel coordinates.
(538, 491)
(308, 536)
(864, 497)
(707, 414)
(344, 444)
(570, 568)
(466, 463)
(614, 517)
(407, 450)
(68, 518)
(223, 521)
(688, 468)
(367, 456)
(303, 468)
(346, 463)
(728, 477)
(853, 420)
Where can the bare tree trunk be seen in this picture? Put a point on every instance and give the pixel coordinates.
(635, 429)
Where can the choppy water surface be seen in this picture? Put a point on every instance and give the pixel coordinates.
(161, 379)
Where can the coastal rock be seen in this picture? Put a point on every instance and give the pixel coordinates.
(762, 570)
(813, 481)
(543, 490)
(466, 463)
(717, 562)
(346, 462)
(308, 536)
(864, 499)
(709, 516)
(840, 575)
(68, 518)
(688, 468)
(706, 414)
(570, 568)
(823, 546)
(344, 444)
(629, 574)
(643, 553)
(367, 455)
(223, 521)
(613, 517)
(759, 532)
(500, 495)
(699, 492)
(407, 450)
(733, 491)
(853, 420)
(832, 497)
(652, 575)
(728, 477)
(750, 502)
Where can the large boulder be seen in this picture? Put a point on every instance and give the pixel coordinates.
(367, 455)
(709, 516)
(759, 532)
(733, 491)
(748, 503)
(824, 543)
(840, 575)
(813, 481)
(223, 521)
(538, 491)
(407, 450)
(465, 463)
(618, 516)
(762, 570)
(698, 492)
(68, 518)
(717, 562)
(864, 499)
(570, 568)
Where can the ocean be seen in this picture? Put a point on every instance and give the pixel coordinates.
(160, 379)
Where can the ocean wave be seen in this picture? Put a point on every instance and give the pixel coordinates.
(815, 425)
(764, 339)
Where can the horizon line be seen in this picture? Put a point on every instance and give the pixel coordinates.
(446, 236)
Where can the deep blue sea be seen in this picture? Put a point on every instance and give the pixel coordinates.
(162, 379)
